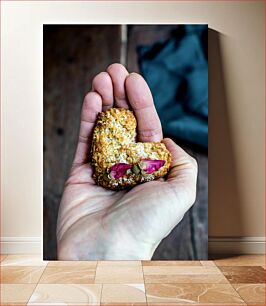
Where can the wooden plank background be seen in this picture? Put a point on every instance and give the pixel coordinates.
(73, 55)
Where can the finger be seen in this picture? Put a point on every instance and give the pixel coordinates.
(92, 105)
(118, 74)
(102, 84)
(183, 167)
(141, 101)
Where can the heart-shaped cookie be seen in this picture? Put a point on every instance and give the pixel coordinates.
(118, 160)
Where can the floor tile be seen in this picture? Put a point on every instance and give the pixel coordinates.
(123, 293)
(171, 263)
(195, 304)
(244, 274)
(16, 293)
(14, 304)
(24, 260)
(251, 293)
(73, 294)
(119, 274)
(68, 275)
(127, 304)
(120, 263)
(21, 275)
(192, 293)
(73, 263)
(242, 260)
(183, 274)
(209, 263)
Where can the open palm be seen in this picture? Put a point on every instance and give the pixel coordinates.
(95, 223)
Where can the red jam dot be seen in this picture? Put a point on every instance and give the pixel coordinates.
(119, 170)
(150, 166)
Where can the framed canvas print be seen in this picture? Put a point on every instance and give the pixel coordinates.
(125, 142)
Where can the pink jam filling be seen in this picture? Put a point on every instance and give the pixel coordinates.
(119, 170)
(150, 166)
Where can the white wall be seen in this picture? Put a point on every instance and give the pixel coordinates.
(236, 164)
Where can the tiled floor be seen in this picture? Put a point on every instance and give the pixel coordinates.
(28, 280)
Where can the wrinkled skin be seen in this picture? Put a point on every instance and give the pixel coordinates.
(99, 224)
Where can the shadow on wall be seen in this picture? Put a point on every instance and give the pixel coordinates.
(224, 200)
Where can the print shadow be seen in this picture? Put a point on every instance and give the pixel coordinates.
(225, 215)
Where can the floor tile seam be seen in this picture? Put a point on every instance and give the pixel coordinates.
(144, 283)
(36, 285)
(246, 284)
(237, 292)
(95, 270)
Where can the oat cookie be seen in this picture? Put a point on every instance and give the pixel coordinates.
(118, 160)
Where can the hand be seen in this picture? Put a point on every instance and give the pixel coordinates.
(99, 224)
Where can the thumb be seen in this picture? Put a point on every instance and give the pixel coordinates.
(183, 169)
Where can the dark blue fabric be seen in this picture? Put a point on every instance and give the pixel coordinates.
(177, 73)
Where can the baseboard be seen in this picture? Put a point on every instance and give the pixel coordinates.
(21, 245)
(236, 245)
(217, 245)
